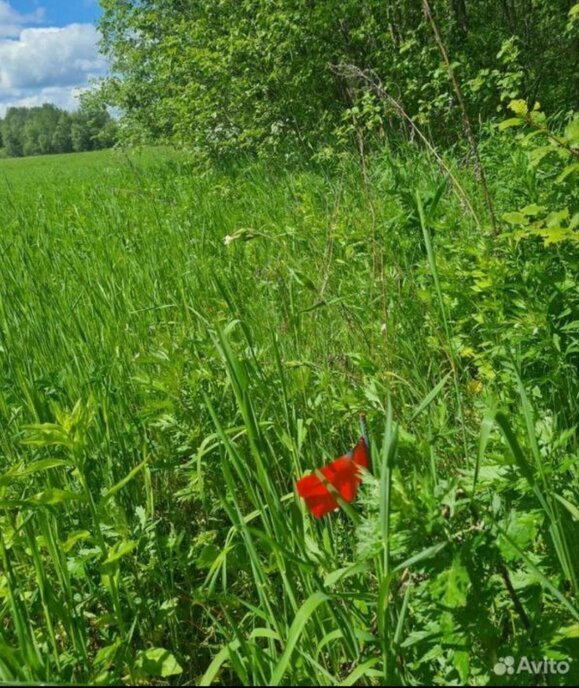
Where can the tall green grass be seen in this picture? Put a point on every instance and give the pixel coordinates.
(179, 345)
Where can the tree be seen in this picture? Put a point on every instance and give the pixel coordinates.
(80, 135)
(12, 129)
(253, 75)
(48, 129)
(62, 136)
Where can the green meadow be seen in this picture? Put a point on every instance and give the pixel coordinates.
(179, 344)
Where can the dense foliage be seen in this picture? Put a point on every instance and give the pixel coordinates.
(233, 75)
(181, 341)
(48, 129)
(180, 344)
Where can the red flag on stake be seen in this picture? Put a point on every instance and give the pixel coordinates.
(343, 474)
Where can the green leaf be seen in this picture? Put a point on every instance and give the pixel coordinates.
(461, 660)
(300, 620)
(555, 235)
(158, 662)
(217, 662)
(427, 553)
(119, 486)
(572, 132)
(555, 218)
(303, 279)
(428, 399)
(457, 584)
(570, 169)
(571, 508)
(53, 496)
(74, 538)
(106, 654)
(532, 209)
(34, 467)
(520, 458)
(361, 671)
(335, 576)
(542, 577)
(537, 154)
(120, 549)
(522, 529)
(568, 632)
(519, 107)
(511, 122)
(515, 218)
(207, 556)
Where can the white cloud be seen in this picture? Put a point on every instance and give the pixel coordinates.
(63, 97)
(44, 57)
(12, 21)
(48, 65)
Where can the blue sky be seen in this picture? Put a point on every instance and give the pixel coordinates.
(48, 51)
(61, 12)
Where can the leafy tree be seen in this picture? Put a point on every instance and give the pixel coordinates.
(62, 136)
(99, 125)
(80, 136)
(12, 128)
(39, 126)
(48, 129)
(253, 75)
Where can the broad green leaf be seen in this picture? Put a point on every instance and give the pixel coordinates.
(533, 209)
(158, 662)
(120, 549)
(515, 218)
(511, 122)
(568, 632)
(457, 584)
(519, 107)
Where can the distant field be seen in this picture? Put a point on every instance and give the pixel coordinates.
(19, 173)
(179, 345)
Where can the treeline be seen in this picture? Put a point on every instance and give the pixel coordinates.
(48, 129)
(254, 75)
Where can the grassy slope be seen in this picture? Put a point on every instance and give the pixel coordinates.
(138, 341)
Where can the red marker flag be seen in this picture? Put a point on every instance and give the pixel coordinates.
(343, 474)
